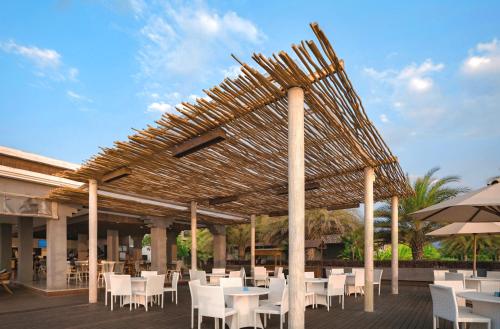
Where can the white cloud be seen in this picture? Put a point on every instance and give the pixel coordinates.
(232, 72)
(77, 97)
(38, 56)
(483, 59)
(160, 107)
(384, 118)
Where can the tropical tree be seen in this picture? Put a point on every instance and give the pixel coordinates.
(239, 235)
(428, 190)
(204, 244)
(461, 247)
(354, 244)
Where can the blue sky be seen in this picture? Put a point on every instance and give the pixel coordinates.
(76, 75)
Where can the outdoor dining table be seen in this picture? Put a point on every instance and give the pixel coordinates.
(476, 282)
(484, 304)
(138, 284)
(244, 300)
(316, 285)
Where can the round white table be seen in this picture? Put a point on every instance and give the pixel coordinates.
(244, 301)
(484, 304)
(316, 285)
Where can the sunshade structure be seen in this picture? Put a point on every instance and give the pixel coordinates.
(288, 135)
(473, 229)
(482, 205)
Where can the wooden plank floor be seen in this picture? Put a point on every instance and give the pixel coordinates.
(410, 309)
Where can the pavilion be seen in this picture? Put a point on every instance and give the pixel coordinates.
(289, 135)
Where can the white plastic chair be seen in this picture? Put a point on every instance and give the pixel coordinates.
(260, 276)
(121, 286)
(493, 274)
(243, 275)
(70, 274)
(439, 275)
(202, 276)
(276, 286)
(444, 305)
(466, 273)
(193, 290)
(377, 278)
(107, 286)
(154, 288)
(235, 274)
(278, 270)
(457, 285)
(211, 304)
(334, 271)
(356, 283)
(454, 277)
(280, 310)
(146, 274)
(309, 275)
(119, 267)
(173, 288)
(335, 287)
(231, 282)
(218, 271)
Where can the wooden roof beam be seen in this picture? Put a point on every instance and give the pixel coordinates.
(198, 143)
(116, 174)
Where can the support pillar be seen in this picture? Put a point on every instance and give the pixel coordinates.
(159, 247)
(395, 247)
(194, 226)
(5, 246)
(92, 241)
(83, 247)
(368, 254)
(172, 246)
(296, 207)
(113, 245)
(137, 252)
(25, 250)
(219, 242)
(252, 244)
(57, 248)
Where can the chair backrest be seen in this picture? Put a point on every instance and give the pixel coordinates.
(284, 306)
(493, 274)
(260, 272)
(336, 284)
(121, 285)
(175, 280)
(444, 302)
(439, 275)
(202, 276)
(309, 275)
(235, 274)
(108, 266)
(243, 274)
(107, 280)
(211, 301)
(276, 286)
(454, 277)
(154, 284)
(218, 271)
(455, 284)
(278, 271)
(230, 282)
(119, 267)
(69, 268)
(490, 287)
(377, 275)
(192, 274)
(193, 290)
(359, 277)
(336, 271)
(466, 273)
(281, 276)
(146, 274)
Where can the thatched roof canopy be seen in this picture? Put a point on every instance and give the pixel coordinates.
(238, 139)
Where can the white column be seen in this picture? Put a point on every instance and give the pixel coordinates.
(57, 248)
(368, 255)
(296, 206)
(113, 244)
(5, 246)
(219, 242)
(159, 248)
(92, 241)
(25, 250)
(252, 244)
(395, 243)
(194, 225)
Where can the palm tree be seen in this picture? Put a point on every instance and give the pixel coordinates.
(429, 190)
(239, 235)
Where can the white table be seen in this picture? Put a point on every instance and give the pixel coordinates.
(316, 285)
(477, 282)
(138, 284)
(484, 304)
(244, 301)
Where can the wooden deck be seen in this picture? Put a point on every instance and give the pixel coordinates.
(411, 309)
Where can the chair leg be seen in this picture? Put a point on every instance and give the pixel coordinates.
(162, 298)
(130, 302)
(192, 317)
(223, 323)
(342, 301)
(265, 321)
(112, 302)
(199, 320)
(254, 320)
(281, 321)
(105, 297)
(176, 301)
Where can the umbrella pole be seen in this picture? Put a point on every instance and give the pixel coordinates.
(474, 270)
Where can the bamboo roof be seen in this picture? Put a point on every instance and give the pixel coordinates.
(247, 172)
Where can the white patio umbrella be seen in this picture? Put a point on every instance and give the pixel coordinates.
(469, 229)
(482, 205)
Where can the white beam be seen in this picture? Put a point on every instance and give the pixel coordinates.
(368, 255)
(92, 241)
(395, 243)
(35, 177)
(296, 207)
